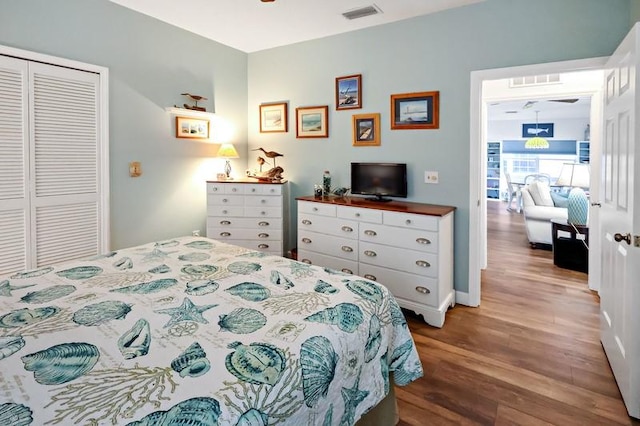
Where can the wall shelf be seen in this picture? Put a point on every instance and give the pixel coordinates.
(183, 112)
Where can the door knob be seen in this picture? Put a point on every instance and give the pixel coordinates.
(619, 237)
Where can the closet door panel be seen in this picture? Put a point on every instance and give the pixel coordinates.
(14, 155)
(65, 164)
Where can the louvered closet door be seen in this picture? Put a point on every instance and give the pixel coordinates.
(65, 167)
(14, 207)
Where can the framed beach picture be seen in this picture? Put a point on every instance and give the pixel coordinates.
(312, 122)
(349, 92)
(530, 130)
(192, 128)
(419, 110)
(366, 129)
(273, 118)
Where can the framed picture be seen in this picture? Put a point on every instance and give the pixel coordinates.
(537, 129)
(312, 122)
(366, 129)
(419, 110)
(273, 118)
(349, 92)
(192, 128)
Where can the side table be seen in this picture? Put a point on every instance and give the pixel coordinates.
(570, 247)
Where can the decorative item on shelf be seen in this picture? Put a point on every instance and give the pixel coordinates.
(587, 133)
(227, 151)
(261, 161)
(536, 142)
(270, 154)
(326, 183)
(196, 99)
(576, 176)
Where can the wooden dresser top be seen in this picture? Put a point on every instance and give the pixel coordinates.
(394, 206)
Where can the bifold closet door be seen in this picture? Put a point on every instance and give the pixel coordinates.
(49, 152)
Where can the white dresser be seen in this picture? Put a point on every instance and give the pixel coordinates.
(248, 213)
(408, 247)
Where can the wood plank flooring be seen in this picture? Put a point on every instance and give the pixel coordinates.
(529, 355)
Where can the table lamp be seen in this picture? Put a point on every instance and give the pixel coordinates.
(576, 176)
(227, 151)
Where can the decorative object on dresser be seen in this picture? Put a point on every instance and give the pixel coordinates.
(349, 92)
(227, 151)
(312, 122)
(418, 110)
(408, 247)
(366, 129)
(274, 118)
(248, 213)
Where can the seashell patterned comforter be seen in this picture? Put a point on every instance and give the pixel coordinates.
(193, 331)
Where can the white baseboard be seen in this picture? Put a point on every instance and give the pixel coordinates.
(463, 299)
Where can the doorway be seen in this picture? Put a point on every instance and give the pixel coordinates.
(481, 95)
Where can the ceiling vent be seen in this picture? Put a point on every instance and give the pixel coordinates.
(362, 12)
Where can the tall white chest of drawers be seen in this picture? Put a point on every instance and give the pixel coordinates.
(407, 247)
(248, 213)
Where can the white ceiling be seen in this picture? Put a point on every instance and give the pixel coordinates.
(548, 109)
(251, 25)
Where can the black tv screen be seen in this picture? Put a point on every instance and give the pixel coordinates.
(379, 179)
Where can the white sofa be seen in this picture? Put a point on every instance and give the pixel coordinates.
(539, 209)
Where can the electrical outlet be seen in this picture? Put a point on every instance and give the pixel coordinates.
(430, 177)
(195, 233)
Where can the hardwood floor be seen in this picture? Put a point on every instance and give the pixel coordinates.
(529, 355)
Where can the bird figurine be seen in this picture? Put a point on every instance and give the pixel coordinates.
(270, 154)
(195, 98)
(261, 161)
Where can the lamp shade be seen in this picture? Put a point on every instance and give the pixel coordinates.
(227, 150)
(574, 175)
(536, 143)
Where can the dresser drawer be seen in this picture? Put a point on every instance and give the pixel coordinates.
(328, 225)
(227, 233)
(413, 239)
(225, 200)
(263, 189)
(225, 188)
(244, 222)
(403, 285)
(250, 211)
(225, 211)
(328, 244)
(263, 200)
(316, 208)
(342, 265)
(271, 247)
(411, 221)
(412, 261)
(362, 215)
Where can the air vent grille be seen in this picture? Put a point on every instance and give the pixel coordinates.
(362, 12)
(535, 80)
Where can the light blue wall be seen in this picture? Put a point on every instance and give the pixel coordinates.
(434, 52)
(150, 64)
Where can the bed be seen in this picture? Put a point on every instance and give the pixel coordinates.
(199, 332)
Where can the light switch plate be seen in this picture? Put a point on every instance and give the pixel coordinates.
(431, 177)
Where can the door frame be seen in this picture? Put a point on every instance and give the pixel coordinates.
(477, 157)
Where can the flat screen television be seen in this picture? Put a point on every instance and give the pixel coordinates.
(379, 179)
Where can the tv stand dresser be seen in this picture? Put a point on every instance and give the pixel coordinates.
(407, 247)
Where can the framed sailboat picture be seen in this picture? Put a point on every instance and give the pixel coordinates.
(418, 110)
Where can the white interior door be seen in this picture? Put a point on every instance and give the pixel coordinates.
(620, 222)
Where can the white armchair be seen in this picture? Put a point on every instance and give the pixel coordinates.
(539, 209)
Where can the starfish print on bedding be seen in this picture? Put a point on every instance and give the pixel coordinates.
(186, 312)
(352, 397)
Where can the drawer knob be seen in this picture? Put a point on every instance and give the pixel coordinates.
(315, 209)
(423, 263)
(370, 253)
(370, 233)
(263, 213)
(263, 246)
(225, 234)
(224, 200)
(347, 229)
(272, 190)
(307, 261)
(263, 201)
(253, 190)
(370, 277)
(224, 212)
(225, 222)
(347, 249)
(263, 235)
(306, 222)
(214, 189)
(357, 214)
(408, 221)
(423, 290)
(263, 223)
(306, 240)
(234, 189)
(423, 241)
(347, 271)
